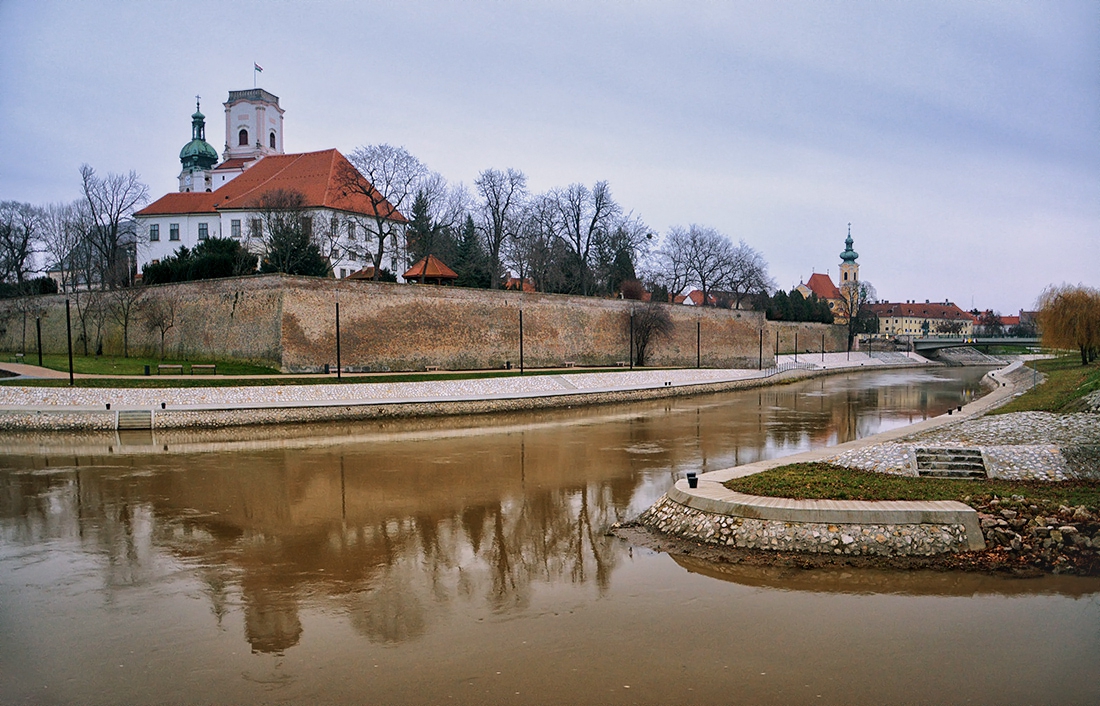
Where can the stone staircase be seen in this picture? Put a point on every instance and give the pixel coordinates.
(135, 419)
(950, 463)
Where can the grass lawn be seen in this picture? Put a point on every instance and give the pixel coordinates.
(1067, 381)
(113, 365)
(104, 365)
(825, 481)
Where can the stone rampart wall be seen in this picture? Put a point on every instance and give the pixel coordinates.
(289, 323)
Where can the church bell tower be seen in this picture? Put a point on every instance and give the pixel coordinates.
(198, 157)
(253, 125)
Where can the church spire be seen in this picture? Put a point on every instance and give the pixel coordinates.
(197, 156)
(849, 255)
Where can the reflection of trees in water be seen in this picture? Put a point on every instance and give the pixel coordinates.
(397, 535)
(496, 552)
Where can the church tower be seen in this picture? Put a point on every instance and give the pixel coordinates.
(197, 156)
(849, 268)
(253, 125)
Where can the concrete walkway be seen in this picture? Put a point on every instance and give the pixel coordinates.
(712, 497)
(78, 399)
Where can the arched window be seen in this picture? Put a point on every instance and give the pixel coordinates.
(271, 140)
(242, 138)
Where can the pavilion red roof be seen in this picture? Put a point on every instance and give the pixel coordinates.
(430, 267)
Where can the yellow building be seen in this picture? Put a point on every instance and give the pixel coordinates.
(927, 319)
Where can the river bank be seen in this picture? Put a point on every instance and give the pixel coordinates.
(27, 408)
(1017, 534)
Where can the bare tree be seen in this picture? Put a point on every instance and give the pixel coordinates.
(587, 217)
(111, 201)
(853, 309)
(651, 322)
(531, 251)
(158, 313)
(20, 237)
(503, 196)
(91, 314)
(287, 232)
(122, 308)
(748, 275)
(388, 177)
(62, 236)
(702, 257)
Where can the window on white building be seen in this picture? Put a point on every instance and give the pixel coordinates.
(242, 138)
(173, 231)
(351, 230)
(154, 233)
(204, 231)
(255, 228)
(235, 228)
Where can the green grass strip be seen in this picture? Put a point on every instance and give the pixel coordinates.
(1067, 381)
(826, 481)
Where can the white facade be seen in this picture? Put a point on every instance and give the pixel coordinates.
(348, 248)
(253, 125)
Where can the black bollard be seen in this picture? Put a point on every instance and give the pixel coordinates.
(693, 480)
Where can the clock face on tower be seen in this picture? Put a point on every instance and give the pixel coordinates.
(187, 180)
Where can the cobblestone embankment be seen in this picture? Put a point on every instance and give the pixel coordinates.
(850, 539)
(725, 518)
(76, 409)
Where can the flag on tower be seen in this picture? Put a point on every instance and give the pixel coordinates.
(258, 67)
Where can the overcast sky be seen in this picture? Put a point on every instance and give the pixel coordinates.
(960, 139)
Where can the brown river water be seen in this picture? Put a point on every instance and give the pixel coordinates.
(467, 561)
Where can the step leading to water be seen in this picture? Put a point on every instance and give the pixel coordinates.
(950, 463)
(135, 419)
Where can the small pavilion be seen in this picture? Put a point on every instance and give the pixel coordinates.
(430, 270)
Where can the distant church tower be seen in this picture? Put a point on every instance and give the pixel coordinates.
(253, 125)
(849, 269)
(197, 156)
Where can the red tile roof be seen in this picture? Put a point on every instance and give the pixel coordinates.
(235, 163)
(696, 298)
(925, 311)
(184, 202)
(822, 285)
(525, 285)
(430, 267)
(321, 177)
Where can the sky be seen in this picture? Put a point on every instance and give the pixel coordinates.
(961, 140)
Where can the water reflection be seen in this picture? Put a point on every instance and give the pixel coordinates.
(398, 525)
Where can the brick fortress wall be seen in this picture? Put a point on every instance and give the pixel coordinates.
(289, 323)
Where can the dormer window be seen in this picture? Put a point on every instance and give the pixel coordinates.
(242, 138)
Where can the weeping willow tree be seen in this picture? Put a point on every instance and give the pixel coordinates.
(1070, 318)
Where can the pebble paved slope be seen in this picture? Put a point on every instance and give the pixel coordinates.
(1018, 446)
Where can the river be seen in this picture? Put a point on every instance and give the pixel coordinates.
(466, 561)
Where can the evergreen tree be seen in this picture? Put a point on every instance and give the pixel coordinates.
(470, 263)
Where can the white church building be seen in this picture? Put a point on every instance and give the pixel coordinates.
(221, 200)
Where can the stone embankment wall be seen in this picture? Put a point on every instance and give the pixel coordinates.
(290, 323)
(678, 520)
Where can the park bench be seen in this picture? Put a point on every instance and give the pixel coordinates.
(169, 368)
(622, 363)
(431, 368)
(568, 364)
(204, 368)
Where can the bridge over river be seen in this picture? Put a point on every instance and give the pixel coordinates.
(932, 343)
